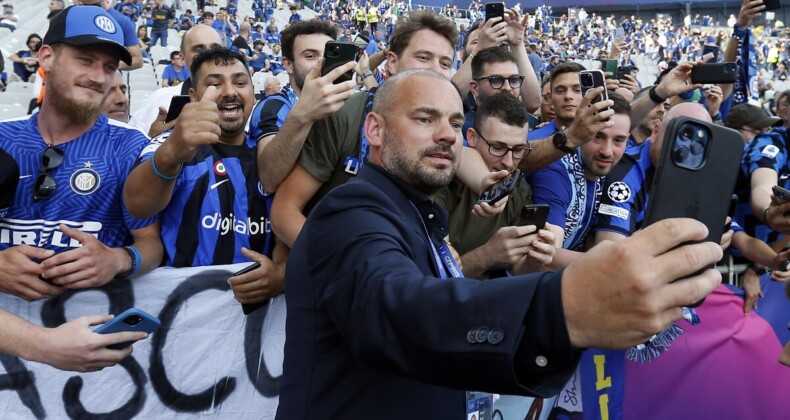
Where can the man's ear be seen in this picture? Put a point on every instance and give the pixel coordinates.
(471, 137)
(374, 129)
(288, 65)
(46, 57)
(392, 63)
(473, 88)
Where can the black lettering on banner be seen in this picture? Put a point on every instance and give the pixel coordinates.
(121, 297)
(23, 382)
(75, 409)
(168, 394)
(119, 292)
(257, 370)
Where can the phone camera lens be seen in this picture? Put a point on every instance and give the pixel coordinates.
(681, 154)
(687, 133)
(587, 80)
(133, 320)
(697, 148)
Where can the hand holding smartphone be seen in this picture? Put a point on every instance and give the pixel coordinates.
(534, 214)
(501, 189)
(177, 104)
(336, 54)
(495, 10)
(248, 308)
(129, 320)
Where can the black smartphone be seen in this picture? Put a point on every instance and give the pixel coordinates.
(711, 49)
(501, 189)
(591, 79)
(248, 308)
(772, 4)
(534, 214)
(714, 73)
(782, 195)
(695, 176)
(608, 65)
(361, 41)
(177, 104)
(338, 53)
(495, 10)
(622, 71)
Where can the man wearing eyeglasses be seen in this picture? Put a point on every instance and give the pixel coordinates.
(494, 70)
(68, 227)
(499, 134)
(572, 186)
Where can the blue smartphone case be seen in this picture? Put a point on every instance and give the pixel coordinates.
(130, 320)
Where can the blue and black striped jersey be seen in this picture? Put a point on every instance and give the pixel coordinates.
(218, 206)
(89, 192)
(626, 191)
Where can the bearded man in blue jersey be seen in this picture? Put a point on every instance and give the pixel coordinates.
(67, 226)
(203, 178)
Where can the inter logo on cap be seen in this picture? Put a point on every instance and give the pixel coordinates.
(105, 24)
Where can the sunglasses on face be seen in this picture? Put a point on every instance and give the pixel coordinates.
(497, 82)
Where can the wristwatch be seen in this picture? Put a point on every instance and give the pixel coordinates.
(561, 141)
(365, 74)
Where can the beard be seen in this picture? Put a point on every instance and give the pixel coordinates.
(395, 159)
(232, 127)
(81, 111)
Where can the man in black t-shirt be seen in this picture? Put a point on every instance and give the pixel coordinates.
(162, 17)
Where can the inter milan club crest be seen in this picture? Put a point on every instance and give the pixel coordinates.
(219, 168)
(85, 181)
(619, 192)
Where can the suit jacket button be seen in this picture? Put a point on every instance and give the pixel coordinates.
(482, 334)
(496, 336)
(471, 336)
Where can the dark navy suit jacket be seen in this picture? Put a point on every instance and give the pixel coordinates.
(372, 332)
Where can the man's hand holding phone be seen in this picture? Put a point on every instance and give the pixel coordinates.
(590, 118)
(320, 96)
(490, 210)
(777, 214)
(261, 283)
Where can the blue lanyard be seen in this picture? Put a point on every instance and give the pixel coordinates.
(364, 146)
(442, 258)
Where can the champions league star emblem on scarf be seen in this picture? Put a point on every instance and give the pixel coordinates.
(660, 342)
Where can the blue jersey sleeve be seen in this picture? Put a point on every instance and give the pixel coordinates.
(765, 151)
(550, 186)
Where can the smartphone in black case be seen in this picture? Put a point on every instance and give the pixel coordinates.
(534, 214)
(495, 10)
(714, 73)
(338, 53)
(696, 174)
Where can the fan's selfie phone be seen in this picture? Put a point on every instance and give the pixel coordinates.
(495, 10)
(336, 54)
(714, 73)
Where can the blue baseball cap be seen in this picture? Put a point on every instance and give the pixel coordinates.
(87, 25)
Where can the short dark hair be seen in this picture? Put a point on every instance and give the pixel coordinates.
(472, 28)
(784, 95)
(505, 107)
(218, 55)
(490, 55)
(173, 54)
(566, 67)
(304, 27)
(621, 106)
(422, 19)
